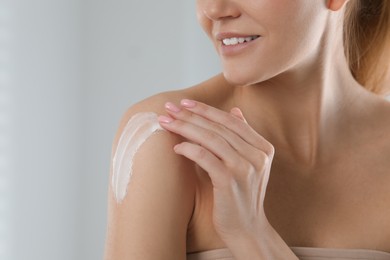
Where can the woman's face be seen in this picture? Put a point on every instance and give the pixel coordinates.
(259, 39)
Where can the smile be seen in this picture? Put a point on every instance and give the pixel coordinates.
(238, 40)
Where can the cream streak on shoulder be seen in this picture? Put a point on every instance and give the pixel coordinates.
(138, 129)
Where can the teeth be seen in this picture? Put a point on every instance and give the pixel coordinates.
(235, 40)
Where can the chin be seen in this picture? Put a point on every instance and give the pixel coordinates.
(235, 78)
(239, 78)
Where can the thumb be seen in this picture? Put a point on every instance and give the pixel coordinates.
(235, 111)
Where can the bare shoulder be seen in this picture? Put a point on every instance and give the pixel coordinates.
(214, 91)
(152, 196)
(153, 104)
(152, 189)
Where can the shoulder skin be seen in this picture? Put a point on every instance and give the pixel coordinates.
(151, 222)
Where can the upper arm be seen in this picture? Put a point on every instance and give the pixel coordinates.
(151, 221)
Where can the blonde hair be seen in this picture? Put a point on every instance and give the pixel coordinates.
(367, 43)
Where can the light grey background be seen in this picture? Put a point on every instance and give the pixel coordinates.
(68, 71)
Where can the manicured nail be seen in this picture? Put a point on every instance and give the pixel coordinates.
(172, 107)
(165, 119)
(188, 103)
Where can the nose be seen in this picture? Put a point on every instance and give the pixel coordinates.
(220, 9)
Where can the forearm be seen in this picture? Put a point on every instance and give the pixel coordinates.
(263, 246)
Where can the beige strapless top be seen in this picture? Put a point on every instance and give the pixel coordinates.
(303, 253)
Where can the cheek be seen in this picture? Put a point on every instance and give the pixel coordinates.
(298, 31)
(292, 34)
(299, 35)
(203, 21)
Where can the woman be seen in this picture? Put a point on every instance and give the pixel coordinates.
(284, 155)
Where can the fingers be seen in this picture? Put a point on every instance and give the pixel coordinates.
(235, 123)
(236, 158)
(206, 160)
(200, 135)
(224, 143)
(238, 113)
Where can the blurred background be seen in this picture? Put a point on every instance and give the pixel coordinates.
(68, 71)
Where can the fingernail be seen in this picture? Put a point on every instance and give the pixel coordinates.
(188, 103)
(172, 107)
(165, 119)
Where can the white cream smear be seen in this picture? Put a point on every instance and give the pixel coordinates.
(137, 130)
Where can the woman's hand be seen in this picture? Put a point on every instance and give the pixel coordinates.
(237, 159)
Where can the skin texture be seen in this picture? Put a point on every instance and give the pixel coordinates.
(304, 161)
(238, 161)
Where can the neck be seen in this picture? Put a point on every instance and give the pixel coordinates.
(301, 111)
